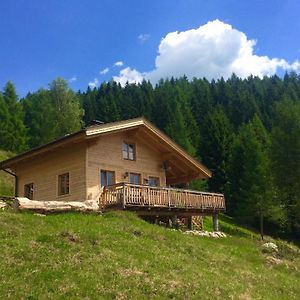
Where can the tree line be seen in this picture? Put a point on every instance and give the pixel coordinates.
(247, 131)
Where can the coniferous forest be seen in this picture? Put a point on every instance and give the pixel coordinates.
(247, 131)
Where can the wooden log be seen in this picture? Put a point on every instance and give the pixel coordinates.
(55, 206)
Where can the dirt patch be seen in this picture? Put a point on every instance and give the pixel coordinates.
(274, 260)
(130, 272)
(71, 237)
(245, 296)
(137, 233)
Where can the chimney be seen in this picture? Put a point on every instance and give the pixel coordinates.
(95, 122)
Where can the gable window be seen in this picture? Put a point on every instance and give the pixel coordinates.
(153, 181)
(135, 178)
(28, 191)
(107, 178)
(63, 184)
(128, 151)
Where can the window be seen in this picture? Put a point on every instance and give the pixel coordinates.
(135, 178)
(63, 184)
(107, 178)
(128, 151)
(153, 181)
(28, 191)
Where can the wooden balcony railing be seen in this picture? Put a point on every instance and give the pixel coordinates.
(131, 195)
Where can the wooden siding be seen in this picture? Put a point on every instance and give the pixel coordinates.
(43, 171)
(105, 153)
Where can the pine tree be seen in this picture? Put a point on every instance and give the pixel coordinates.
(89, 105)
(16, 134)
(172, 117)
(201, 99)
(215, 148)
(108, 102)
(147, 101)
(286, 158)
(5, 125)
(251, 181)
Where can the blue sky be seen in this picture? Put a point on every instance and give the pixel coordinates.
(76, 40)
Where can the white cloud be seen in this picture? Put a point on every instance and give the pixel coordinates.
(72, 79)
(129, 75)
(213, 50)
(94, 83)
(143, 37)
(118, 64)
(104, 71)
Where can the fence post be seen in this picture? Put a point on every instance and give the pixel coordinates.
(124, 196)
(148, 195)
(186, 200)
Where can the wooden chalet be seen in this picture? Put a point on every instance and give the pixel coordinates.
(127, 165)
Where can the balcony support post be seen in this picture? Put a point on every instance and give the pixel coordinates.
(215, 221)
(174, 221)
(190, 223)
(169, 222)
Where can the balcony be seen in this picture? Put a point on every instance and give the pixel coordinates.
(162, 200)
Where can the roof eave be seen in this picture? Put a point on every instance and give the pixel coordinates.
(179, 149)
(95, 131)
(46, 147)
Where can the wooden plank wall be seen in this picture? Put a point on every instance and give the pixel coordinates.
(43, 172)
(105, 153)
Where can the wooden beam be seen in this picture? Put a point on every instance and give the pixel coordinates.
(181, 169)
(153, 140)
(179, 214)
(147, 143)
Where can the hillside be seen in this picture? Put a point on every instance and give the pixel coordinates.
(119, 256)
(6, 181)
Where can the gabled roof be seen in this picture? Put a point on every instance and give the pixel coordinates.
(110, 128)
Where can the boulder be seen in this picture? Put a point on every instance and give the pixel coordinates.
(214, 234)
(270, 247)
(2, 204)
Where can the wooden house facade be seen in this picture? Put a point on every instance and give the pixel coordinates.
(129, 165)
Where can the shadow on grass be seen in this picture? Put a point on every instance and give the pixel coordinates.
(232, 227)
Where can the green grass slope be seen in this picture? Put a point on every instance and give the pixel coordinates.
(6, 180)
(119, 256)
